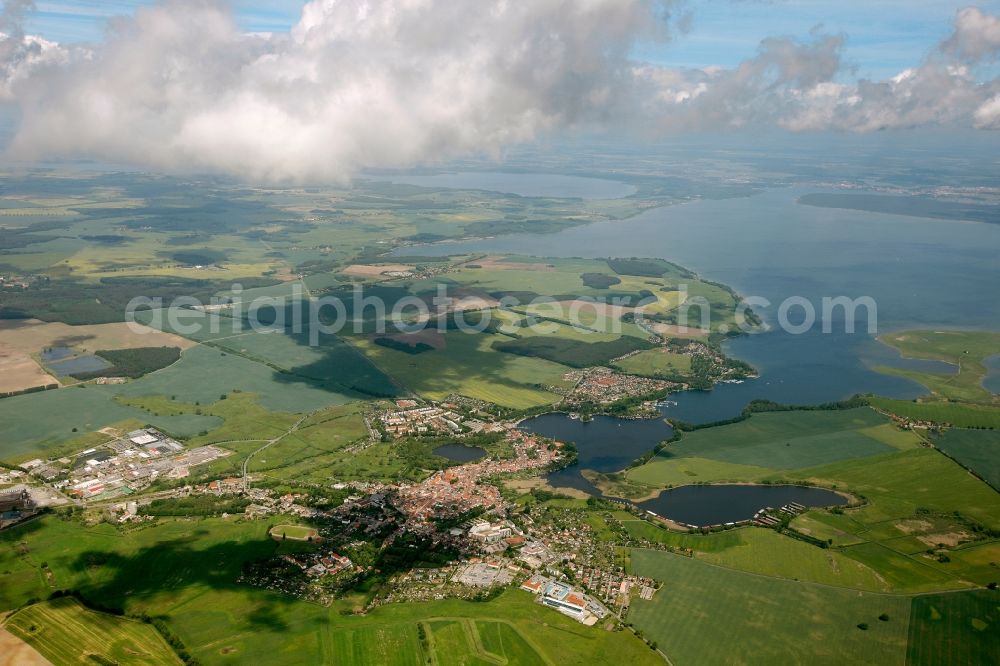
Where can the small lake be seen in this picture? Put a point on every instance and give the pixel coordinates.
(57, 353)
(460, 452)
(606, 444)
(720, 504)
(522, 184)
(77, 365)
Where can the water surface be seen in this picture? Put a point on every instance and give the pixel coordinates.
(719, 504)
(460, 452)
(57, 353)
(920, 272)
(523, 184)
(73, 366)
(606, 444)
(992, 380)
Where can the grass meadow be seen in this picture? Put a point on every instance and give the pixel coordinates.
(65, 632)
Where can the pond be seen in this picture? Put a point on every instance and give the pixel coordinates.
(73, 366)
(606, 444)
(719, 504)
(57, 353)
(460, 452)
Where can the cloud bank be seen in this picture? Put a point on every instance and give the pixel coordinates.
(361, 83)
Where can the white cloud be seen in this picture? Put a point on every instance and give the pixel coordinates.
(354, 84)
(976, 36)
(987, 116)
(360, 83)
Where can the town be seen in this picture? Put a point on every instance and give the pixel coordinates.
(460, 517)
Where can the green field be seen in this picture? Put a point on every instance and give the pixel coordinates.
(655, 362)
(754, 448)
(766, 552)
(966, 349)
(958, 628)
(204, 373)
(764, 620)
(574, 353)
(37, 422)
(331, 363)
(898, 484)
(763, 551)
(468, 365)
(186, 571)
(978, 450)
(916, 499)
(463, 641)
(65, 632)
(961, 415)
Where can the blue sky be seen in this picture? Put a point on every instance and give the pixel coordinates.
(884, 36)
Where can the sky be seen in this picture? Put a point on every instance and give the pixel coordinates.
(884, 36)
(304, 92)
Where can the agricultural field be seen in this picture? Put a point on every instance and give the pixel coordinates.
(765, 620)
(574, 353)
(953, 628)
(23, 341)
(656, 362)
(765, 552)
(37, 422)
(20, 372)
(978, 450)
(898, 484)
(18, 653)
(533, 343)
(760, 446)
(967, 350)
(960, 415)
(204, 373)
(467, 364)
(65, 632)
(333, 363)
(917, 501)
(455, 641)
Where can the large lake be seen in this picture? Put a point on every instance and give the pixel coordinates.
(719, 504)
(921, 273)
